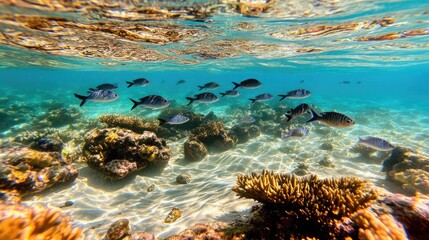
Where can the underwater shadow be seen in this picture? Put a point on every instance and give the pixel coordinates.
(97, 180)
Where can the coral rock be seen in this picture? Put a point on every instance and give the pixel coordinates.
(200, 231)
(173, 215)
(195, 150)
(213, 136)
(118, 152)
(184, 178)
(118, 230)
(21, 222)
(245, 133)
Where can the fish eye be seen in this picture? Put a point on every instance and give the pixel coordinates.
(349, 121)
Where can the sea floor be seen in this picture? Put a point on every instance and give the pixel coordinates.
(325, 151)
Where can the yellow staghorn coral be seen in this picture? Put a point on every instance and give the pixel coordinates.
(320, 204)
(21, 222)
(377, 227)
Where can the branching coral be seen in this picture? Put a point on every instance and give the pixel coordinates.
(21, 222)
(317, 204)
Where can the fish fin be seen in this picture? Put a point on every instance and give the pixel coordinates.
(92, 89)
(236, 85)
(129, 84)
(282, 97)
(135, 103)
(191, 100)
(359, 140)
(161, 121)
(223, 94)
(288, 117)
(253, 100)
(201, 87)
(83, 98)
(314, 116)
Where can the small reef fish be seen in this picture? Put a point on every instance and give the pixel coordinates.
(261, 98)
(210, 85)
(105, 86)
(299, 110)
(173, 120)
(359, 82)
(332, 119)
(302, 81)
(248, 84)
(376, 143)
(142, 82)
(180, 82)
(205, 97)
(345, 82)
(296, 94)
(151, 101)
(98, 96)
(247, 119)
(295, 132)
(230, 93)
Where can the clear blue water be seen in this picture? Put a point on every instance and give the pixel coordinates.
(46, 66)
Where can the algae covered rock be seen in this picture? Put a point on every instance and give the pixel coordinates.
(195, 150)
(117, 152)
(244, 133)
(214, 136)
(173, 215)
(118, 230)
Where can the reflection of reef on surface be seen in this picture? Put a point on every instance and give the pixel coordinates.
(21, 222)
(118, 152)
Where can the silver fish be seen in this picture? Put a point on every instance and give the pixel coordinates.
(296, 94)
(143, 82)
(376, 143)
(181, 82)
(105, 86)
(173, 120)
(248, 83)
(151, 101)
(247, 119)
(210, 85)
(261, 98)
(298, 111)
(295, 132)
(332, 119)
(205, 97)
(98, 96)
(230, 93)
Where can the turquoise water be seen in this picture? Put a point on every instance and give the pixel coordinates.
(42, 66)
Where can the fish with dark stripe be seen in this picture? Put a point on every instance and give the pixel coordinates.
(332, 119)
(301, 109)
(376, 143)
(98, 96)
(151, 101)
(205, 97)
(295, 94)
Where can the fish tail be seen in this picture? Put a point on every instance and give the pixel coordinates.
(360, 140)
(161, 121)
(223, 94)
(289, 116)
(92, 89)
(191, 100)
(129, 84)
(282, 97)
(83, 98)
(314, 116)
(201, 87)
(135, 103)
(236, 85)
(253, 100)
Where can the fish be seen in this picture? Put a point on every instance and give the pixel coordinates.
(230, 93)
(299, 110)
(173, 120)
(210, 85)
(295, 132)
(332, 119)
(151, 101)
(261, 98)
(247, 119)
(376, 143)
(143, 82)
(345, 82)
(98, 96)
(248, 84)
(302, 81)
(205, 97)
(104, 86)
(181, 82)
(358, 82)
(296, 94)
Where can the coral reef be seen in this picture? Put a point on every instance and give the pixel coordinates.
(293, 203)
(21, 222)
(118, 230)
(194, 150)
(409, 169)
(117, 152)
(195, 120)
(203, 231)
(24, 170)
(134, 124)
(244, 133)
(214, 136)
(173, 215)
(60, 116)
